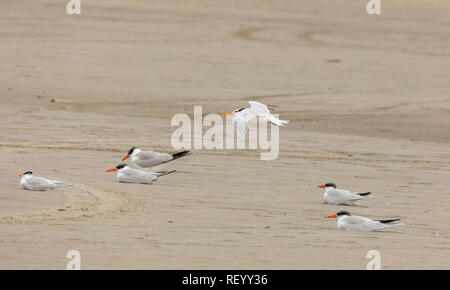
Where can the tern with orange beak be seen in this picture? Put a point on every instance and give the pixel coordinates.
(333, 195)
(131, 175)
(241, 117)
(148, 159)
(348, 222)
(31, 182)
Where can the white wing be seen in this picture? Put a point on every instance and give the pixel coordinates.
(258, 108)
(240, 120)
(147, 159)
(340, 196)
(131, 175)
(38, 183)
(262, 110)
(360, 224)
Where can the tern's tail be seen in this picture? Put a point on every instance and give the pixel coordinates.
(277, 121)
(363, 195)
(60, 184)
(388, 221)
(162, 173)
(180, 154)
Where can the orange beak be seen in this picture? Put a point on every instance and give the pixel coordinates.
(126, 157)
(20, 174)
(332, 216)
(321, 186)
(111, 170)
(226, 114)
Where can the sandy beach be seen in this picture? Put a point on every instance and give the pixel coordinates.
(367, 96)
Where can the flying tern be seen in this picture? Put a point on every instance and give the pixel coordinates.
(348, 222)
(333, 195)
(147, 159)
(132, 175)
(31, 182)
(241, 117)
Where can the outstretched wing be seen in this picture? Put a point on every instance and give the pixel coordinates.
(258, 108)
(241, 124)
(262, 110)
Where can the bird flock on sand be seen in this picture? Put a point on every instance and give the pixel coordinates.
(146, 160)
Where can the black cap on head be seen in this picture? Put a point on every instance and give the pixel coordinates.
(330, 185)
(238, 110)
(343, 212)
(121, 165)
(27, 172)
(131, 150)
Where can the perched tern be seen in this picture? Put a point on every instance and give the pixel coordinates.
(30, 182)
(241, 117)
(348, 222)
(131, 175)
(148, 159)
(333, 195)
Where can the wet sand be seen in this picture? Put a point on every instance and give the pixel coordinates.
(368, 98)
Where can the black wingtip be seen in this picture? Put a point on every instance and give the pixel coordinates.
(388, 221)
(364, 194)
(162, 173)
(180, 154)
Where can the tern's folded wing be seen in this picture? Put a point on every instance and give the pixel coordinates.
(340, 195)
(39, 183)
(153, 155)
(131, 175)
